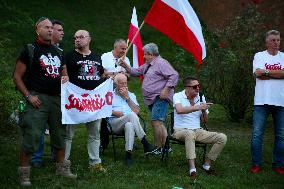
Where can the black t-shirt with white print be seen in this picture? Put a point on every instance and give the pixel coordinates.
(85, 71)
(44, 74)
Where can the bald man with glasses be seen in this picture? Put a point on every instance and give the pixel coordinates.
(85, 70)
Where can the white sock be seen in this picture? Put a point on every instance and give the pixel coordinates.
(206, 167)
(192, 170)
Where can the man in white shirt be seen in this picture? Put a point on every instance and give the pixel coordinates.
(188, 112)
(268, 68)
(110, 60)
(124, 117)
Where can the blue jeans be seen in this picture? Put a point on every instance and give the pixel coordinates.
(159, 109)
(260, 115)
(37, 155)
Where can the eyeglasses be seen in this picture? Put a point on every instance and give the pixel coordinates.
(81, 37)
(195, 86)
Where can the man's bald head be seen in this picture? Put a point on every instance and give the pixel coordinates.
(44, 29)
(120, 77)
(82, 39)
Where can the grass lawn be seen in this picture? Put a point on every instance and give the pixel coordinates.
(148, 172)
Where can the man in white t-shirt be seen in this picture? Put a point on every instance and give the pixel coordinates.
(268, 68)
(110, 60)
(188, 112)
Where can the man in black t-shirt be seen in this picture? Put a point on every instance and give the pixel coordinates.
(57, 37)
(85, 70)
(41, 88)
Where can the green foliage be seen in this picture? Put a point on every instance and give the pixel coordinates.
(10, 28)
(227, 77)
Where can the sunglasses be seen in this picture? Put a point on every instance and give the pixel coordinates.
(195, 86)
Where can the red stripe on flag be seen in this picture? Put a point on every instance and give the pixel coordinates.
(172, 23)
(138, 42)
(132, 31)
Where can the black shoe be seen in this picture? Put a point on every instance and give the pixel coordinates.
(167, 150)
(157, 151)
(128, 162)
(128, 159)
(149, 149)
(37, 164)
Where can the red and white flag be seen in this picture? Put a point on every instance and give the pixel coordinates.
(138, 56)
(80, 106)
(177, 20)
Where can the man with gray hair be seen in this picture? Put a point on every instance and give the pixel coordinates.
(268, 69)
(124, 117)
(158, 86)
(111, 59)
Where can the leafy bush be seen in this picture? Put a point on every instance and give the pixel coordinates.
(10, 28)
(228, 76)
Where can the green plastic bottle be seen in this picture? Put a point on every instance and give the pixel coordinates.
(21, 107)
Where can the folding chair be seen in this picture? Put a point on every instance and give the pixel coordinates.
(115, 136)
(171, 140)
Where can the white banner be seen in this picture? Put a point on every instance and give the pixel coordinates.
(80, 106)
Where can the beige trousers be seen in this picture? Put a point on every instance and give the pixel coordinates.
(189, 136)
(130, 125)
(94, 141)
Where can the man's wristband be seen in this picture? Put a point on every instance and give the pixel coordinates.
(127, 99)
(28, 96)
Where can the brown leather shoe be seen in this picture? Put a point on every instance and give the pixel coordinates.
(193, 177)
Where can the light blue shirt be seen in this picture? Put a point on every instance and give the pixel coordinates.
(120, 104)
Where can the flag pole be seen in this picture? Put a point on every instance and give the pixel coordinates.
(128, 47)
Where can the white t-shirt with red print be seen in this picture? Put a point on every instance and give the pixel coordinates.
(269, 91)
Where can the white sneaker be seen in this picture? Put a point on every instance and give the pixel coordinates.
(46, 132)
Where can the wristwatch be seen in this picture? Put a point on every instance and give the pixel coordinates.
(28, 96)
(266, 72)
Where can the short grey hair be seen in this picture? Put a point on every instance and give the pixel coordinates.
(271, 32)
(118, 41)
(151, 48)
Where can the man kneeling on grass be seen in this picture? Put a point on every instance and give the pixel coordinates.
(124, 117)
(189, 111)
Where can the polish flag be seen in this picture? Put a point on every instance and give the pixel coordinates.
(138, 58)
(177, 20)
